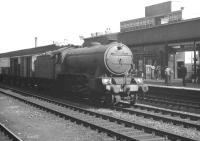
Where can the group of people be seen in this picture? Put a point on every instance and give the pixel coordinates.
(166, 73)
(156, 72)
(169, 72)
(182, 74)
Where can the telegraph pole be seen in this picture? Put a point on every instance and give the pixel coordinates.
(35, 41)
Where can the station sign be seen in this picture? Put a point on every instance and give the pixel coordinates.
(136, 24)
(148, 22)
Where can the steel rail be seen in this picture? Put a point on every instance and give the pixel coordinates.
(169, 102)
(163, 117)
(165, 111)
(9, 133)
(170, 105)
(189, 102)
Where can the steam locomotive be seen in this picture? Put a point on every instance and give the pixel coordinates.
(99, 73)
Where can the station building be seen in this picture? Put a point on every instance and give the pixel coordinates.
(162, 38)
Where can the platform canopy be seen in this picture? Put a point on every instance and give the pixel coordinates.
(186, 30)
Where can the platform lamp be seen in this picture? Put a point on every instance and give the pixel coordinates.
(195, 61)
(198, 49)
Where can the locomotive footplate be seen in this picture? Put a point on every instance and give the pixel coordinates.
(117, 99)
(123, 93)
(122, 89)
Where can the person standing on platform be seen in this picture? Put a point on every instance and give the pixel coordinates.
(183, 73)
(157, 72)
(198, 74)
(168, 73)
(153, 72)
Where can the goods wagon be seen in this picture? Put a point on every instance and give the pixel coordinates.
(4, 65)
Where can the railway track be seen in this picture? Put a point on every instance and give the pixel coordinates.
(159, 114)
(182, 105)
(174, 100)
(115, 127)
(7, 134)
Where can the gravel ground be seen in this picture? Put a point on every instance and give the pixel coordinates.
(32, 124)
(187, 132)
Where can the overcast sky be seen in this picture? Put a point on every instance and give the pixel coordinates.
(65, 20)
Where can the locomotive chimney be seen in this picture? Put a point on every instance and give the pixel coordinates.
(112, 41)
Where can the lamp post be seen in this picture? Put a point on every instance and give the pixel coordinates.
(195, 62)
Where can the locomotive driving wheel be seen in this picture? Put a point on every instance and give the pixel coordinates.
(111, 99)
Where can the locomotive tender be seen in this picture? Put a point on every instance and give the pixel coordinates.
(99, 72)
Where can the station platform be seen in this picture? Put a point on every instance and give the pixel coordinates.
(174, 83)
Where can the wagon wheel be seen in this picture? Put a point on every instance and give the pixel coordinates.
(91, 97)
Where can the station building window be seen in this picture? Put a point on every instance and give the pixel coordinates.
(147, 59)
(183, 53)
